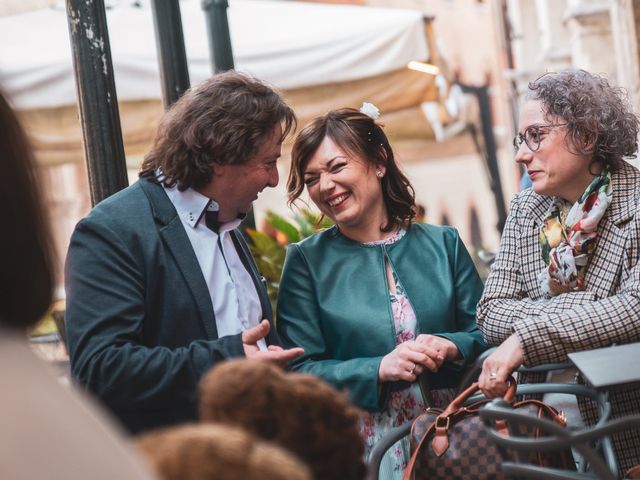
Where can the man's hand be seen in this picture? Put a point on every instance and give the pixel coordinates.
(499, 365)
(273, 353)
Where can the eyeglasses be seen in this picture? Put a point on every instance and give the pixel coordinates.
(532, 136)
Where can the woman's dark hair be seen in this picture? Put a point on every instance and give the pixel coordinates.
(223, 120)
(362, 137)
(26, 278)
(599, 119)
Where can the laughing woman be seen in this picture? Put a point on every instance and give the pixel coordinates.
(567, 275)
(376, 299)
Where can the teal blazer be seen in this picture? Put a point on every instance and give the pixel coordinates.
(334, 302)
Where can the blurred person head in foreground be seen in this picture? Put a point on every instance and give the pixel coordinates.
(44, 423)
(298, 412)
(26, 278)
(216, 452)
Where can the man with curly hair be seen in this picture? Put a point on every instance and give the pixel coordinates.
(160, 284)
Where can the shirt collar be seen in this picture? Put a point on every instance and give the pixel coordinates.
(191, 206)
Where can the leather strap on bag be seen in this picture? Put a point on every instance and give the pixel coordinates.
(440, 441)
(633, 472)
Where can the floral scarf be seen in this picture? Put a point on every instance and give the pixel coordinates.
(567, 245)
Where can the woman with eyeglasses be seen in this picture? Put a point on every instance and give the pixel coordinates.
(567, 277)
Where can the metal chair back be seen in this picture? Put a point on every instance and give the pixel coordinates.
(592, 443)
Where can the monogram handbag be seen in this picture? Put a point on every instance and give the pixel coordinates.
(453, 444)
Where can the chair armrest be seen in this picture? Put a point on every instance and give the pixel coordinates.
(380, 448)
(556, 437)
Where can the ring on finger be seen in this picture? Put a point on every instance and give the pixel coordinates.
(412, 371)
(493, 376)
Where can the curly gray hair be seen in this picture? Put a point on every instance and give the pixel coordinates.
(598, 116)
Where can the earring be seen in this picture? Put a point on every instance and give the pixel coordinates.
(379, 174)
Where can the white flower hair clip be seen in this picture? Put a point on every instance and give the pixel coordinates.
(370, 110)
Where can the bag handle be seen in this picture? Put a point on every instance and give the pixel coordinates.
(408, 472)
(458, 402)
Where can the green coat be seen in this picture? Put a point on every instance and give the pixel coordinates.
(334, 302)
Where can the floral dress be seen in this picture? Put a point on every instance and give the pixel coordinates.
(404, 403)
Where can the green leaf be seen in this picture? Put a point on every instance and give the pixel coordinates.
(279, 223)
(306, 228)
(319, 221)
(309, 216)
(261, 241)
(269, 254)
(324, 223)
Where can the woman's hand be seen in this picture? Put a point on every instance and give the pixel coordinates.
(444, 347)
(407, 361)
(499, 365)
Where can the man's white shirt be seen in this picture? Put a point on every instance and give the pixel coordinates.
(235, 300)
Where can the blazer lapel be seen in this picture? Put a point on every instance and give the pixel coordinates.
(608, 257)
(610, 252)
(624, 184)
(537, 207)
(258, 280)
(177, 241)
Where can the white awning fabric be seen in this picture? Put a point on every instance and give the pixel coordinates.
(289, 44)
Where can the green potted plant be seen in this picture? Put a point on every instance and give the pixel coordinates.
(269, 246)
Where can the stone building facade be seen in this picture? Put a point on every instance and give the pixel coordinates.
(600, 36)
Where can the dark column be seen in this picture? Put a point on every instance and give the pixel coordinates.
(97, 100)
(219, 37)
(222, 56)
(490, 150)
(172, 57)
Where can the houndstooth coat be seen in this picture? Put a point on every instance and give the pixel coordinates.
(607, 312)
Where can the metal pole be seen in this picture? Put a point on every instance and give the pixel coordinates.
(98, 104)
(222, 58)
(490, 150)
(219, 37)
(172, 57)
(506, 36)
